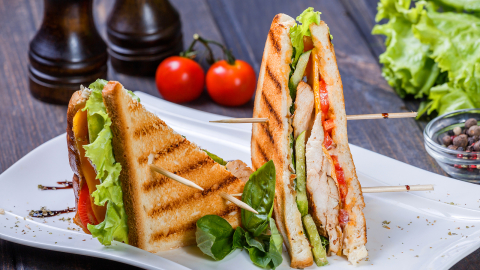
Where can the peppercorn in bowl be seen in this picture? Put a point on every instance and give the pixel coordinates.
(453, 140)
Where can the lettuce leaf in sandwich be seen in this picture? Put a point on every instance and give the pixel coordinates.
(100, 152)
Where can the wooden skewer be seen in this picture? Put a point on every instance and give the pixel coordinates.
(381, 116)
(386, 189)
(237, 202)
(189, 183)
(397, 188)
(349, 117)
(175, 177)
(242, 120)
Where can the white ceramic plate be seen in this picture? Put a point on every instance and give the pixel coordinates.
(418, 235)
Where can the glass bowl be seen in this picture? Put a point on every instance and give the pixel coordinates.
(461, 165)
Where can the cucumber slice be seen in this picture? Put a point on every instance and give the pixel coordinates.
(291, 140)
(298, 73)
(302, 202)
(319, 252)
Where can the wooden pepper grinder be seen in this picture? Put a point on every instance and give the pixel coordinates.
(141, 34)
(66, 51)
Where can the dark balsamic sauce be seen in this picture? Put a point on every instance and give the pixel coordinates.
(43, 212)
(66, 185)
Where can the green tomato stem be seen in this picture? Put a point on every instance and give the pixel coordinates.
(228, 54)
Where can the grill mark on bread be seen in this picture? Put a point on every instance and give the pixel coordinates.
(149, 129)
(174, 205)
(269, 135)
(262, 153)
(274, 79)
(275, 43)
(162, 180)
(270, 109)
(158, 236)
(167, 150)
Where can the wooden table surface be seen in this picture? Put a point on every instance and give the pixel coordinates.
(26, 123)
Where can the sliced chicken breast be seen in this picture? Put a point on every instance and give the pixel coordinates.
(304, 109)
(240, 170)
(322, 188)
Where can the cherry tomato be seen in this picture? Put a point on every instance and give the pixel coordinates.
(180, 79)
(231, 85)
(85, 211)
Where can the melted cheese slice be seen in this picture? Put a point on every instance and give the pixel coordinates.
(80, 130)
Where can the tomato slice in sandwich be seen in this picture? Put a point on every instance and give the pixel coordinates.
(85, 211)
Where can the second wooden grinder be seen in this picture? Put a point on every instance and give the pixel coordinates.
(141, 33)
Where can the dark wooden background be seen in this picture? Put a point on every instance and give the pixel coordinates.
(26, 123)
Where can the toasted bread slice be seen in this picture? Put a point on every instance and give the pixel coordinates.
(270, 141)
(355, 234)
(162, 213)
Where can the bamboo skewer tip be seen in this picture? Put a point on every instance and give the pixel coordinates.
(237, 202)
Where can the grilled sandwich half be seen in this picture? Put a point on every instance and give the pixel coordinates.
(161, 213)
(329, 198)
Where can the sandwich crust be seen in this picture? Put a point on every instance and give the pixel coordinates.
(270, 141)
(355, 234)
(162, 213)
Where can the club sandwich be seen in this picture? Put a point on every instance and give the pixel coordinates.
(318, 196)
(112, 140)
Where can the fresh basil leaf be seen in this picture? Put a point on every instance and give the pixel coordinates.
(252, 242)
(259, 193)
(239, 240)
(216, 158)
(275, 256)
(275, 247)
(258, 257)
(214, 236)
(271, 255)
(276, 237)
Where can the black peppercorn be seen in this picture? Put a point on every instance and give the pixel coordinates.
(450, 133)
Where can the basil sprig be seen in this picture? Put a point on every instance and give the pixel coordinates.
(214, 236)
(217, 238)
(259, 193)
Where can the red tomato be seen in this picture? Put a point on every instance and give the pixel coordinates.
(324, 97)
(179, 79)
(231, 85)
(85, 211)
(329, 125)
